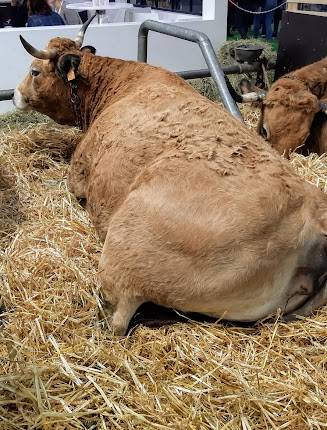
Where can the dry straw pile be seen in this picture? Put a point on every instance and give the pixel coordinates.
(61, 368)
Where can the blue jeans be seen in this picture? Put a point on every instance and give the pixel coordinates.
(266, 18)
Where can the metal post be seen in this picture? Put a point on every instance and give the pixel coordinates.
(142, 45)
(207, 51)
(6, 94)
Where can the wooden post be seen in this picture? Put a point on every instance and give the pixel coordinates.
(293, 6)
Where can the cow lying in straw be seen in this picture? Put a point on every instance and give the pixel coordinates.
(196, 212)
(294, 111)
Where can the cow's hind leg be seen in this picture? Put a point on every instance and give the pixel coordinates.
(315, 302)
(118, 288)
(124, 311)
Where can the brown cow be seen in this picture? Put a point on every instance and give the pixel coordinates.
(196, 211)
(292, 115)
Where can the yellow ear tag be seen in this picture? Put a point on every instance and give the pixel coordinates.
(71, 75)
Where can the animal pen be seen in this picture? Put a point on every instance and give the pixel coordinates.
(61, 368)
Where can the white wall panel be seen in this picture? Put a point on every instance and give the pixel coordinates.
(114, 40)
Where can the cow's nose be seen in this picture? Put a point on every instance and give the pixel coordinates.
(19, 101)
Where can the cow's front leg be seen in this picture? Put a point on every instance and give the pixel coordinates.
(125, 309)
(80, 166)
(77, 178)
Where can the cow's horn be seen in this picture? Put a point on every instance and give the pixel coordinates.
(253, 97)
(323, 107)
(38, 53)
(80, 37)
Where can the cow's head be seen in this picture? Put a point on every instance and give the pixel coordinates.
(45, 88)
(287, 114)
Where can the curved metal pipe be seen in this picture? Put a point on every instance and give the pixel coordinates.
(232, 69)
(207, 51)
(6, 94)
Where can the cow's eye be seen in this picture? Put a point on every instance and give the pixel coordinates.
(35, 72)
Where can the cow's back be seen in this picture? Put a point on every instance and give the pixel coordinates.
(161, 122)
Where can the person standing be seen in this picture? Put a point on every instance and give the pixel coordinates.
(230, 18)
(244, 20)
(277, 17)
(40, 14)
(265, 18)
(19, 13)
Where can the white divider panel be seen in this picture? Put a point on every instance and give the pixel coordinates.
(114, 40)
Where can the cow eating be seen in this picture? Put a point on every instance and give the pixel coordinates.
(294, 111)
(196, 211)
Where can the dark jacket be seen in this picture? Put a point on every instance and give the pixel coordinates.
(44, 20)
(252, 5)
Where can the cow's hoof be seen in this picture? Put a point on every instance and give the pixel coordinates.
(289, 318)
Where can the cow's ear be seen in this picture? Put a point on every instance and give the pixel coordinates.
(90, 49)
(306, 101)
(67, 67)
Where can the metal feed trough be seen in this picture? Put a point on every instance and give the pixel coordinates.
(247, 61)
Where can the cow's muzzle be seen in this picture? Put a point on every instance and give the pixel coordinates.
(19, 101)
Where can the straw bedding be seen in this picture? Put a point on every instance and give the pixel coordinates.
(61, 368)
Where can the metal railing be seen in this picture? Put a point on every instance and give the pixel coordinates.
(214, 70)
(207, 50)
(6, 94)
(228, 70)
(189, 74)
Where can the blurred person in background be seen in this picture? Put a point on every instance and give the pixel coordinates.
(5, 14)
(19, 13)
(278, 17)
(243, 19)
(265, 18)
(230, 18)
(41, 14)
